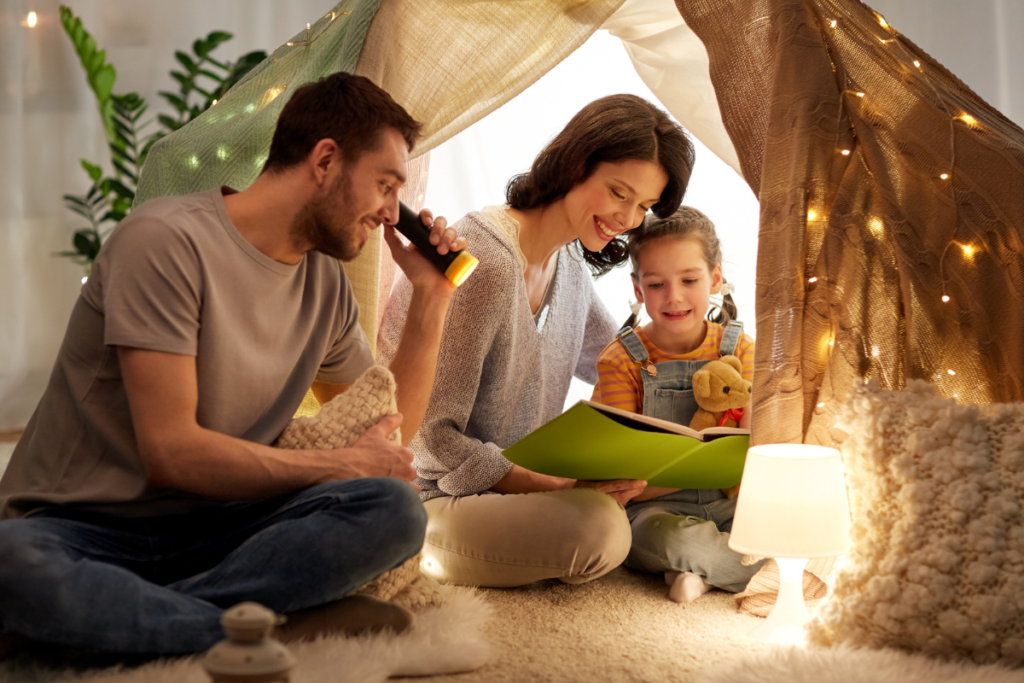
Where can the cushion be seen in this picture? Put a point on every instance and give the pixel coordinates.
(936, 562)
(338, 424)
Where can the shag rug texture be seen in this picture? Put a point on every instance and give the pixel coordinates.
(936, 563)
(448, 638)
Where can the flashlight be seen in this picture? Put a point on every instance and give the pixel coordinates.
(456, 265)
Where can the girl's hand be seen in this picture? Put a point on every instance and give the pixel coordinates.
(622, 490)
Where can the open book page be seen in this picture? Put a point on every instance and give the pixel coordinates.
(653, 424)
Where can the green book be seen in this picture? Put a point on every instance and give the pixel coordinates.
(596, 442)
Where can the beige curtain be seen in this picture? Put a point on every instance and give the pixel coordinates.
(891, 210)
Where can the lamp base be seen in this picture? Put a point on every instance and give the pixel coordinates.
(785, 624)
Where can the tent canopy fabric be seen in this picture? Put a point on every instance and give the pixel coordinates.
(891, 211)
(890, 193)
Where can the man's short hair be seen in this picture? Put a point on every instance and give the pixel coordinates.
(348, 109)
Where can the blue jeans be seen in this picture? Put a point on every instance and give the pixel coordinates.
(688, 531)
(158, 585)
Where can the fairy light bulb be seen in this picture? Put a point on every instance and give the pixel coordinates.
(945, 298)
(31, 20)
(860, 94)
(845, 152)
(834, 23)
(812, 280)
(951, 371)
(969, 250)
(917, 64)
(944, 176)
(812, 215)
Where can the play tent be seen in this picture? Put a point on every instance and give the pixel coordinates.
(890, 194)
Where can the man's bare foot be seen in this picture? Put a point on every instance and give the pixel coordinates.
(350, 616)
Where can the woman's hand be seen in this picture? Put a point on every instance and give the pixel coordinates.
(622, 490)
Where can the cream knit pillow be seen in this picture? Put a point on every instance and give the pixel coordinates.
(936, 562)
(340, 422)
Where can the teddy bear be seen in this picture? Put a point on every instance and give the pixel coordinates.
(721, 394)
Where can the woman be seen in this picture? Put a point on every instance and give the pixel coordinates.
(516, 332)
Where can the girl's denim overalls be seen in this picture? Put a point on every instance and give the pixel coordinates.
(670, 532)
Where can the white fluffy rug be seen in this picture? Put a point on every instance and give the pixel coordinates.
(444, 639)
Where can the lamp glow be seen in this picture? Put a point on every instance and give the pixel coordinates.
(792, 506)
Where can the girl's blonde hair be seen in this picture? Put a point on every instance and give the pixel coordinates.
(686, 223)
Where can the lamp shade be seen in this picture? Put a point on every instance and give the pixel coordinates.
(792, 503)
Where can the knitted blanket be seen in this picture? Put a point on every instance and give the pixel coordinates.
(936, 562)
(340, 422)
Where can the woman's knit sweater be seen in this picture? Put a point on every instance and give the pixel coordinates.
(502, 372)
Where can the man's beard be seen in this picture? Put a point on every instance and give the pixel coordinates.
(329, 224)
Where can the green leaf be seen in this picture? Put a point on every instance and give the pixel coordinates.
(84, 212)
(95, 172)
(210, 74)
(103, 81)
(125, 172)
(185, 61)
(75, 199)
(87, 243)
(215, 38)
(169, 123)
(175, 101)
(122, 191)
(200, 47)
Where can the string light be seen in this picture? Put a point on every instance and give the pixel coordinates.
(812, 215)
(944, 176)
(917, 64)
(831, 342)
(969, 250)
(945, 298)
(951, 372)
(304, 43)
(882, 21)
(860, 94)
(968, 119)
(214, 104)
(876, 226)
(834, 23)
(875, 351)
(30, 20)
(845, 152)
(812, 280)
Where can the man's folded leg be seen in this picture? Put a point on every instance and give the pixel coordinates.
(311, 547)
(77, 584)
(162, 591)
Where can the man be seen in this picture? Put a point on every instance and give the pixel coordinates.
(144, 497)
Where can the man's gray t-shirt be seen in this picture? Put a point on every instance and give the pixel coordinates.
(177, 276)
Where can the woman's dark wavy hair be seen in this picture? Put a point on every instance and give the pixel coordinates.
(612, 129)
(685, 223)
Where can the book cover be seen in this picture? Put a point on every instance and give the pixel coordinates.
(595, 442)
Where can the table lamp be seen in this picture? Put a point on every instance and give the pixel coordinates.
(792, 506)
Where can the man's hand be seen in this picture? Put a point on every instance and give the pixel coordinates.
(421, 273)
(622, 490)
(372, 455)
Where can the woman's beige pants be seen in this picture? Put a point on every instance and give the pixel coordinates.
(503, 540)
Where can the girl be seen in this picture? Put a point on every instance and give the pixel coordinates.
(677, 266)
(516, 333)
